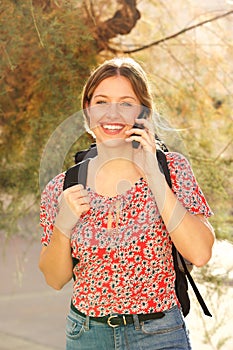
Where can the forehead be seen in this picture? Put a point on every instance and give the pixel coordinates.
(115, 86)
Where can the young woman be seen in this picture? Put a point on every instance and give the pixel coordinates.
(121, 226)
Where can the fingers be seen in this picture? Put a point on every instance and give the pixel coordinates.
(145, 136)
(75, 188)
(146, 124)
(77, 198)
(72, 202)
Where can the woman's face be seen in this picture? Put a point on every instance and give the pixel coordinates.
(113, 109)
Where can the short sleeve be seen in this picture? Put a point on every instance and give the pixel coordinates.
(185, 185)
(49, 206)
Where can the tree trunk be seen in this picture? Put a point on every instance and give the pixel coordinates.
(121, 23)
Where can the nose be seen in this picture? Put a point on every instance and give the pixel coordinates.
(113, 110)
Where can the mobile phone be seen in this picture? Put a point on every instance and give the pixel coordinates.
(142, 115)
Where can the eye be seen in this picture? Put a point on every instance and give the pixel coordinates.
(100, 102)
(126, 104)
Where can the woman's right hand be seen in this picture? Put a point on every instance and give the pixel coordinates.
(73, 202)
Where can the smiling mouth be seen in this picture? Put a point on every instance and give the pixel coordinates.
(112, 128)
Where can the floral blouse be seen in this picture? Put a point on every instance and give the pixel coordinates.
(126, 268)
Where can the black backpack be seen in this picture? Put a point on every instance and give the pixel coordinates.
(78, 174)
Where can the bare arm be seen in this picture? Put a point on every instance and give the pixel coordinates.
(192, 235)
(55, 260)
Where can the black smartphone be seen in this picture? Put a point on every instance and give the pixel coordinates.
(142, 115)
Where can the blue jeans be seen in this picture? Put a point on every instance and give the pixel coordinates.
(167, 333)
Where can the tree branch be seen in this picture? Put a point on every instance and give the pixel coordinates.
(173, 35)
(35, 24)
(223, 150)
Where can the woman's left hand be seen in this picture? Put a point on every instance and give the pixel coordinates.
(145, 154)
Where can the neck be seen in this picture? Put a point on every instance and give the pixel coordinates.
(113, 170)
(108, 153)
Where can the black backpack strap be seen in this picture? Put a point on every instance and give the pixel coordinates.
(163, 166)
(90, 152)
(181, 284)
(195, 289)
(77, 174)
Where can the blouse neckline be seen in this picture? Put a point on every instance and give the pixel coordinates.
(137, 183)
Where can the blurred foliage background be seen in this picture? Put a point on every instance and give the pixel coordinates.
(47, 51)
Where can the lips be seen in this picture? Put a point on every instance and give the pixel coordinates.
(112, 129)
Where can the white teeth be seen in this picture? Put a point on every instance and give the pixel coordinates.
(112, 127)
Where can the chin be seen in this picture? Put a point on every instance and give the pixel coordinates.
(112, 143)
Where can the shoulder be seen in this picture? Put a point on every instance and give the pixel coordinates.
(176, 159)
(179, 167)
(57, 181)
(54, 186)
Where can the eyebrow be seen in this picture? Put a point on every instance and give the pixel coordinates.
(121, 97)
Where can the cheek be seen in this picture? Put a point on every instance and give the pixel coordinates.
(94, 122)
(131, 121)
(93, 117)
